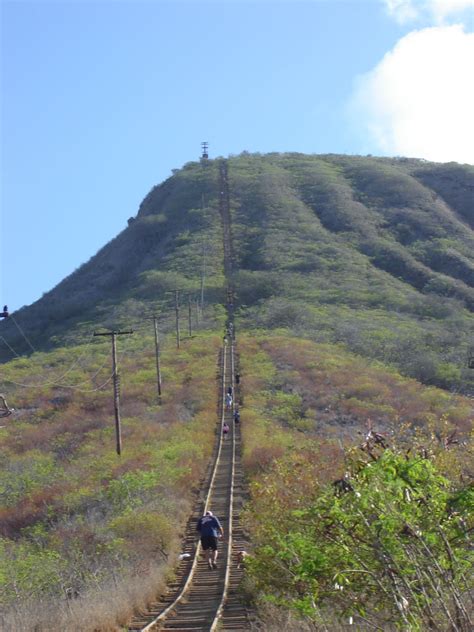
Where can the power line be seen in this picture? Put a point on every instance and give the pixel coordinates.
(89, 390)
(121, 356)
(58, 379)
(91, 377)
(22, 332)
(11, 348)
(73, 386)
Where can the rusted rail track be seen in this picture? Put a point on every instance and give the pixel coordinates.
(201, 598)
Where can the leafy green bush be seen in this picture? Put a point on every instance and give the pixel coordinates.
(395, 549)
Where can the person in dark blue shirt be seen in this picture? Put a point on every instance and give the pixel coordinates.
(210, 530)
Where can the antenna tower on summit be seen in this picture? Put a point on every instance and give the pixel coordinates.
(205, 150)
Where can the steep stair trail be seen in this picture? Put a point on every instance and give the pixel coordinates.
(232, 607)
(201, 599)
(234, 616)
(224, 210)
(200, 596)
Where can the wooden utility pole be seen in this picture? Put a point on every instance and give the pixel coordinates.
(203, 274)
(198, 315)
(203, 267)
(157, 352)
(190, 328)
(176, 308)
(116, 383)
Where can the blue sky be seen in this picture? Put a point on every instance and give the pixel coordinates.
(100, 100)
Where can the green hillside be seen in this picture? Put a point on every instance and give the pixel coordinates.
(353, 294)
(75, 515)
(375, 253)
(329, 553)
(359, 251)
(176, 231)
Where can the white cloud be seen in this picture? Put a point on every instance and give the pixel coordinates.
(436, 11)
(419, 100)
(402, 10)
(441, 9)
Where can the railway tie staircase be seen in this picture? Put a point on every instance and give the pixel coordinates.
(201, 598)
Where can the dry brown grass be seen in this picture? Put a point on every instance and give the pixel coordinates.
(106, 609)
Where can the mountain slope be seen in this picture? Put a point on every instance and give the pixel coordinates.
(160, 250)
(357, 250)
(376, 253)
(329, 255)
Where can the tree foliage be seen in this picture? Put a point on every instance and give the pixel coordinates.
(393, 549)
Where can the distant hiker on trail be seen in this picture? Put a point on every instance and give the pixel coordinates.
(228, 401)
(237, 416)
(229, 391)
(210, 530)
(237, 378)
(225, 430)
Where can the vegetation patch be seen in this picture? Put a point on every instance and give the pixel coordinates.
(361, 505)
(77, 518)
